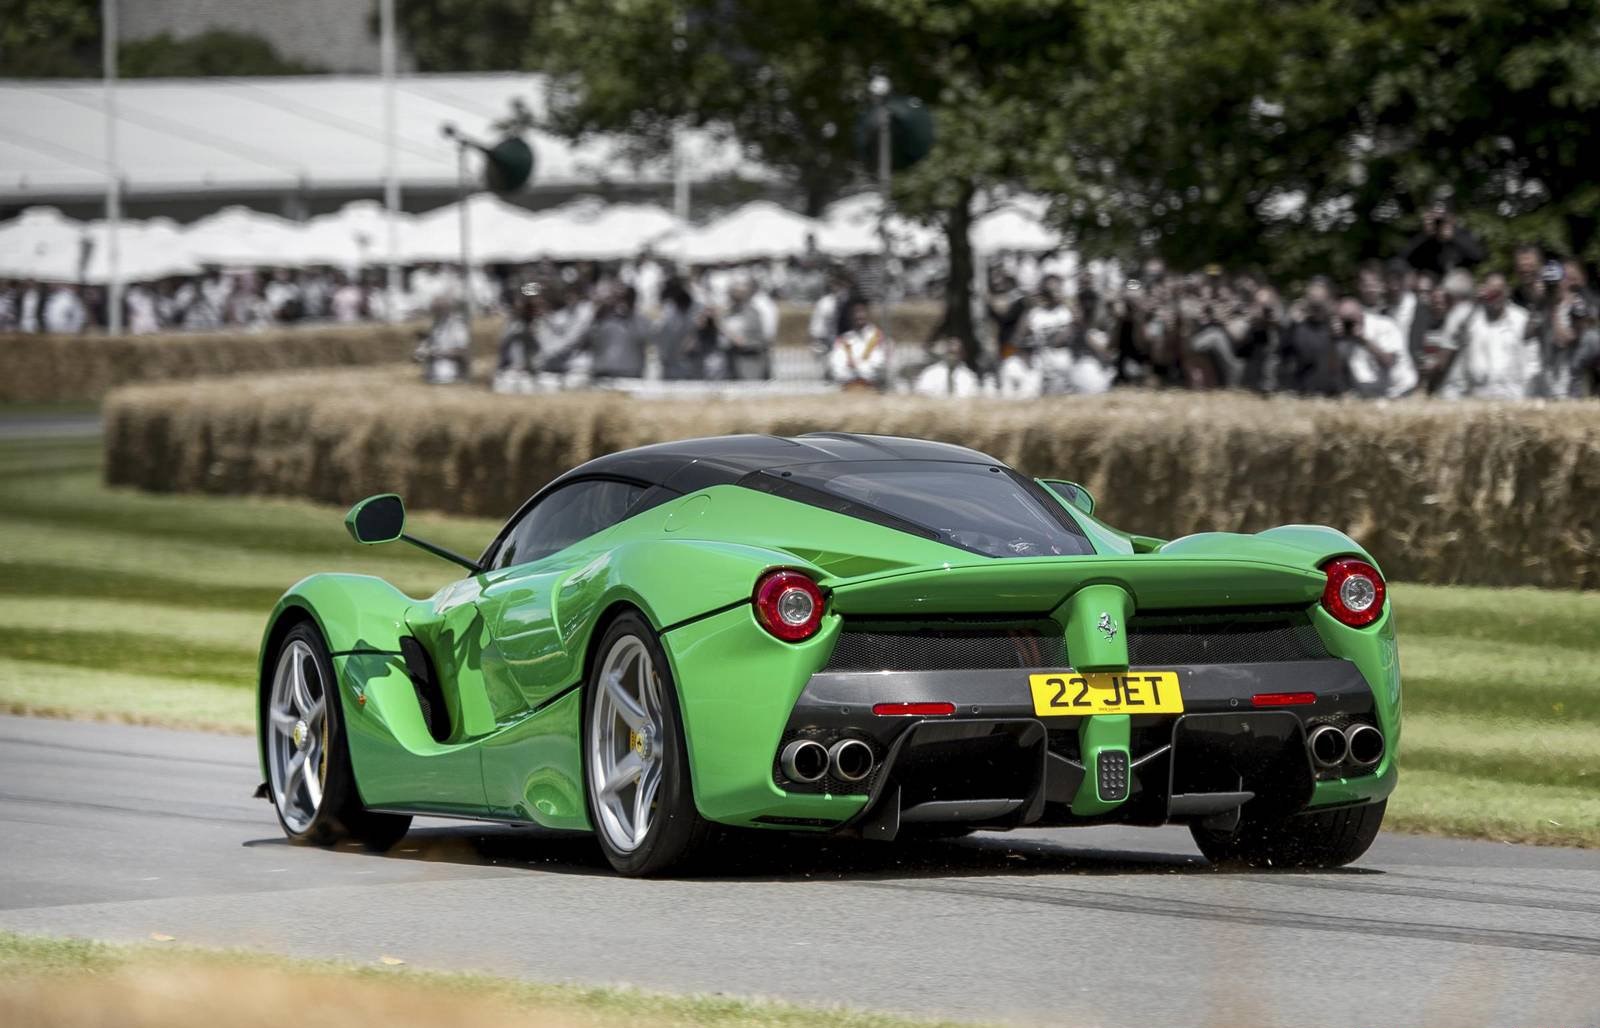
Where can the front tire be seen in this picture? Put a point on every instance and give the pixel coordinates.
(636, 765)
(312, 785)
(1328, 838)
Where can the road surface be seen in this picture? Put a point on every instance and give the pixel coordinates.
(115, 832)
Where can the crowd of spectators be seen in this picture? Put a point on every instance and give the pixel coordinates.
(1437, 319)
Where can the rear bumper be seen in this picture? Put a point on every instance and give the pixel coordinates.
(995, 763)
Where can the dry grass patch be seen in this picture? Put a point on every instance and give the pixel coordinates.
(75, 984)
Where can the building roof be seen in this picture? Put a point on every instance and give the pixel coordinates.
(306, 135)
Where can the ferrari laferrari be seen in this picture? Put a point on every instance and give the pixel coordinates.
(884, 638)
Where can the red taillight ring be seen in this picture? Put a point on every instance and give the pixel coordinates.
(788, 604)
(1354, 593)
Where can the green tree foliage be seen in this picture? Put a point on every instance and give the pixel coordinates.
(788, 78)
(467, 35)
(214, 53)
(61, 39)
(1306, 134)
(49, 38)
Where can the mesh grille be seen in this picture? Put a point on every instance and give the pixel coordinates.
(1154, 640)
(948, 646)
(1223, 638)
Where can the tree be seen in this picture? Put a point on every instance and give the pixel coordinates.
(467, 35)
(61, 39)
(788, 79)
(215, 53)
(50, 39)
(1306, 134)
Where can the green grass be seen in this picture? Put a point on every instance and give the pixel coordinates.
(74, 982)
(149, 608)
(140, 607)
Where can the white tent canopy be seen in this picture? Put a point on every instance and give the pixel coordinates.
(499, 232)
(146, 251)
(41, 243)
(237, 236)
(357, 235)
(850, 228)
(1014, 227)
(615, 233)
(44, 244)
(757, 230)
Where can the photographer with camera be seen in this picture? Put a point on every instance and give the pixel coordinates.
(1376, 356)
(1443, 245)
(1311, 362)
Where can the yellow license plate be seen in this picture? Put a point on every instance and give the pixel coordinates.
(1130, 692)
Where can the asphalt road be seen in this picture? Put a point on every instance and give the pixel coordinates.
(116, 833)
(48, 426)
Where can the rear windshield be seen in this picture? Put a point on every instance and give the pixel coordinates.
(988, 510)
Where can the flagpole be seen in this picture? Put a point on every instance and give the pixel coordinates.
(391, 173)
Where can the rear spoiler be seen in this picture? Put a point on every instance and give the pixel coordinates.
(1154, 581)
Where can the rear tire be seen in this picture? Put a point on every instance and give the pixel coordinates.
(309, 777)
(1329, 838)
(635, 763)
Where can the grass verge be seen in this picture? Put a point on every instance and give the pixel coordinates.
(76, 984)
(148, 608)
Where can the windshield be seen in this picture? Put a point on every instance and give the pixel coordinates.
(978, 507)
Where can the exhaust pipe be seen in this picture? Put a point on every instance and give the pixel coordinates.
(1365, 744)
(1328, 746)
(851, 760)
(804, 760)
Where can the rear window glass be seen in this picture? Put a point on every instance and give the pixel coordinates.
(988, 510)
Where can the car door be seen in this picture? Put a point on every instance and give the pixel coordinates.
(557, 537)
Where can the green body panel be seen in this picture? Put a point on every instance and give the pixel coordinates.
(512, 646)
(1374, 650)
(1097, 735)
(1097, 648)
(744, 684)
(533, 771)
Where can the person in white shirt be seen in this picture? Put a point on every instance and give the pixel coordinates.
(28, 308)
(825, 325)
(1045, 337)
(767, 310)
(860, 357)
(142, 319)
(348, 301)
(1495, 350)
(1379, 362)
(64, 313)
(948, 375)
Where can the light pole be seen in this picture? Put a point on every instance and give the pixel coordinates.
(454, 135)
(391, 174)
(879, 87)
(108, 55)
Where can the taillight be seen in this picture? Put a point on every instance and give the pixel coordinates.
(1354, 593)
(789, 605)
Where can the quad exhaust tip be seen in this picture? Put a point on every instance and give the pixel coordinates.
(1365, 744)
(804, 760)
(851, 760)
(1328, 746)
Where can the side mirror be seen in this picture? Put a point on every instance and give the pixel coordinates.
(1071, 492)
(377, 519)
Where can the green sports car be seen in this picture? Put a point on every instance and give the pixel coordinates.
(881, 637)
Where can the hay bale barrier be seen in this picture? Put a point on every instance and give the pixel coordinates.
(1489, 494)
(65, 369)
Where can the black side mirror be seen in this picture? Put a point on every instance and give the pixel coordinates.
(377, 519)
